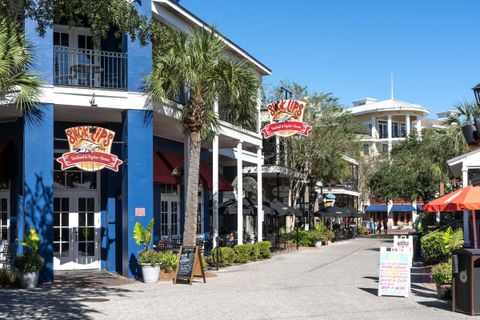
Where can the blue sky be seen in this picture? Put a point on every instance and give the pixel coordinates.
(350, 47)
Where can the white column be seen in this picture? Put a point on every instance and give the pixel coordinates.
(215, 168)
(466, 231)
(374, 128)
(407, 124)
(277, 150)
(259, 196)
(239, 194)
(389, 132)
(419, 127)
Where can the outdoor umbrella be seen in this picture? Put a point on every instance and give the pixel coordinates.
(467, 198)
(281, 209)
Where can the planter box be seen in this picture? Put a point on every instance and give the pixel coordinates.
(444, 291)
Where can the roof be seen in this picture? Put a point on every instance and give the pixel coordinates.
(469, 160)
(387, 105)
(194, 20)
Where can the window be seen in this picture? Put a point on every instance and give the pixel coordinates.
(383, 129)
(366, 149)
(403, 130)
(60, 39)
(169, 189)
(384, 148)
(395, 131)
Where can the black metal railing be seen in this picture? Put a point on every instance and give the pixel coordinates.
(89, 68)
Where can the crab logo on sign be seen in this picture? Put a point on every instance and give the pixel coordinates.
(89, 149)
(286, 119)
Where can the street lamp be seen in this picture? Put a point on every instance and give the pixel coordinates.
(476, 92)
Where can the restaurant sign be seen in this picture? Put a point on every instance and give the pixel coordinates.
(286, 119)
(90, 149)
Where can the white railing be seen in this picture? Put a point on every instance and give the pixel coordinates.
(89, 68)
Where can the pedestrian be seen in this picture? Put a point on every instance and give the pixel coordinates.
(385, 226)
(379, 227)
(372, 226)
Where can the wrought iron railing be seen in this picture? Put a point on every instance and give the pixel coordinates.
(89, 68)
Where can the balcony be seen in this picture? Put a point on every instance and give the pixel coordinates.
(86, 68)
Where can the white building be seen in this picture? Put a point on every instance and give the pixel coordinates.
(386, 122)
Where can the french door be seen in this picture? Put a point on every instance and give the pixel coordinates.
(170, 217)
(5, 215)
(76, 235)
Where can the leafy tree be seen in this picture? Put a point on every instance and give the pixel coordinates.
(18, 86)
(99, 15)
(198, 61)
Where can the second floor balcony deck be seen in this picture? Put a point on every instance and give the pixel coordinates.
(87, 68)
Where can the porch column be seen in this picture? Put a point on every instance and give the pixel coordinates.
(389, 132)
(374, 127)
(259, 196)
(239, 194)
(466, 230)
(36, 201)
(419, 127)
(137, 184)
(215, 184)
(407, 124)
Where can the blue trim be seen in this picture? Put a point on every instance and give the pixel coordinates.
(377, 208)
(403, 208)
(38, 184)
(420, 207)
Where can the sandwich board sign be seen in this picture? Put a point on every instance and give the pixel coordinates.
(394, 273)
(404, 243)
(189, 265)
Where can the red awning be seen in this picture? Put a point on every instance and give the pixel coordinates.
(165, 163)
(162, 173)
(6, 159)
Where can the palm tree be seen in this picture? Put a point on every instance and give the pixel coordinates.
(198, 61)
(18, 86)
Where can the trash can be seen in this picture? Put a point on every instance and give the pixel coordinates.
(466, 281)
(417, 247)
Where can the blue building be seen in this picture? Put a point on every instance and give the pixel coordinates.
(85, 218)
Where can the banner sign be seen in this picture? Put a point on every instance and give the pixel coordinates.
(394, 274)
(90, 149)
(286, 119)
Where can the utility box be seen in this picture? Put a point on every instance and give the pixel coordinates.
(466, 281)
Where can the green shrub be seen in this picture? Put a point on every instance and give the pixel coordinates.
(316, 236)
(226, 256)
(442, 273)
(255, 252)
(302, 237)
(452, 240)
(433, 248)
(8, 278)
(150, 257)
(168, 261)
(30, 260)
(243, 253)
(362, 230)
(264, 249)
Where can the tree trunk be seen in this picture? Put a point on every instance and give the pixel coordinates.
(190, 230)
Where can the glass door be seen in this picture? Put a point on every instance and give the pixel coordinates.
(62, 232)
(170, 224)
(4, 216)
(86, 239)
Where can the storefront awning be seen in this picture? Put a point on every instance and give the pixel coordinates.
(403, 208)
(419, 207)
(6, 160)
(377, 208)
(166, 163)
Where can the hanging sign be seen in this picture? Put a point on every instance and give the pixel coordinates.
(90, 148)
(394, 274)
(286, 119)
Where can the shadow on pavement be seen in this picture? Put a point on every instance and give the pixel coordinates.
(373, 249)
(373, 291)
(439, 304)
(372, 278)
(54, 303)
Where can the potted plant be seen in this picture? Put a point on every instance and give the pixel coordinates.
(29, 263)
(442, 276)
(148, 259)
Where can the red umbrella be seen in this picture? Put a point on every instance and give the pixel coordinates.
(467, 198)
